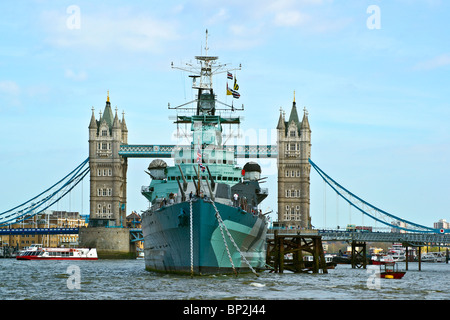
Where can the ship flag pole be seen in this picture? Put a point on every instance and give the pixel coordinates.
(206, 44)
(199, 159)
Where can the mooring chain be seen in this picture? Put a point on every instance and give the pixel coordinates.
(226, 247)
(221, 223)
(191, 241)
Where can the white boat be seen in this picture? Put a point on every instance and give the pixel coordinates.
(380, 259)
(329, 258)
(397, 253)
(433, 257)
(428, 257)
(440, 256)
(38, 252)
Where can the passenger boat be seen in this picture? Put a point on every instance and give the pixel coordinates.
(381, 259)
(37, 252)
(397, 252)
(433, 257)
(391, 271)
(428, 257)
(440, 256)
(309, 260)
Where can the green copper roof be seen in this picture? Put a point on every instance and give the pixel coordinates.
(108, 115)
(294, 115)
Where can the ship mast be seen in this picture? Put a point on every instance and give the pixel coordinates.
(202, 81)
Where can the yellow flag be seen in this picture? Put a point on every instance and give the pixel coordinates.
(229, 93)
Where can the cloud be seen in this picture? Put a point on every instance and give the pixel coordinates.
(9, 87)
(9, 94)
(80, 76)
(264, 16)
(220, 17)
(435, 63)
(104, 31)
(291, 18)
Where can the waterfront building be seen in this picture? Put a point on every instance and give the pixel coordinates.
(133, 220)
(399, 224)
(48, 219)
(108, 170)
(441, 224)
(294, 150)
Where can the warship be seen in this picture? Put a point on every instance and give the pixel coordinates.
(204, 212)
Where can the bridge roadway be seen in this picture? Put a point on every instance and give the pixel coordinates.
(23, 231)
(168, 151)
(411, 239)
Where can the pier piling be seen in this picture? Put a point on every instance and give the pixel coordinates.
(286, 252)
(359, 259)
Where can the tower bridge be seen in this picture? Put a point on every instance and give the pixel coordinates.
(107, 164)
(168, 151)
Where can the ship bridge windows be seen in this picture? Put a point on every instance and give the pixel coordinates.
(215, 178)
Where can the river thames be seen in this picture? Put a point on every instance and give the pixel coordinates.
(128, 280)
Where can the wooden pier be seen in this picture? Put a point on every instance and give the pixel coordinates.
(359, 255)
(287, 252)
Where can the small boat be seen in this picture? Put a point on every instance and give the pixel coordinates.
(329, 261)
(397, 252)
(37, 252)
(440, 256)
(391, 271)
(428, 257)
(433, 257)
(140, 255)
(344, 259)
(308, 260)
(381, 259)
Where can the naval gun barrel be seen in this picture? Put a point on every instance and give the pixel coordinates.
(213, 184)
(183, 194)
(184, 179)
(210, 191)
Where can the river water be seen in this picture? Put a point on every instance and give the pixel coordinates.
(128, 280)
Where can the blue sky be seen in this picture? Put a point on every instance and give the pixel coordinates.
(378, 99)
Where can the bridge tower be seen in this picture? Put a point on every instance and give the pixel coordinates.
(294, 150)
(108, 170)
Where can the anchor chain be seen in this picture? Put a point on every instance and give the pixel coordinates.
(222, 224)
(191, 238)
(228, 250)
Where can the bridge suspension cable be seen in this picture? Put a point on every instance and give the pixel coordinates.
(372, 211)
(47, 198)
